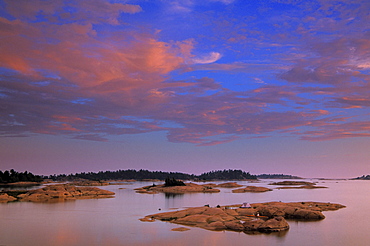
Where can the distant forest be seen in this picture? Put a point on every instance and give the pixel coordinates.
(13, 176)
(145, 174)
(277, 176)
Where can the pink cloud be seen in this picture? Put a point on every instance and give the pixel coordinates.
(353, 101)
(91, 11)
(332, 131)
(29, 9)
(67, 78)
(138, 61)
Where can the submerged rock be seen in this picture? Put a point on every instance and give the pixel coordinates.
(290, 182)
(180, 229)
(302, 187)
(262, 217)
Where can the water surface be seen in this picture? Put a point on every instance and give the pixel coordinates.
(115, 221)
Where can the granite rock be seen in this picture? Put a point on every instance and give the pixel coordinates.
(251, 189)
(63, 192)
(261, 217)
(188, 188)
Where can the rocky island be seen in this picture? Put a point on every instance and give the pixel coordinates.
(251, 189)
(55, 193)
(260, 217)
(229, 185)
(4, 197)
(292, 183)
(302, 185)
(178, 189)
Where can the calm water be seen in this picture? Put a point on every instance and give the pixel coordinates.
(116, 221)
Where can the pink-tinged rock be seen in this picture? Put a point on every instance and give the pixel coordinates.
(6, 198)
(234, 225)
(246, 211)
(271, 211)
(217, 225)
(263, 217)
(188, 188)
(229, 185)
(251, 189)
(291, 182)
(252, 225)
(180, 229)
(196, 219)
(307, 215)
(59, 193)
(274, 224)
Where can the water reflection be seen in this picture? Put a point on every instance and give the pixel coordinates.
(173, 200)
(6, 187)
(280, 234)
(173, 195)
(116, 221)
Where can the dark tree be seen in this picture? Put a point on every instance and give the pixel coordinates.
(173, 182)
(14, 176)
(226, 175)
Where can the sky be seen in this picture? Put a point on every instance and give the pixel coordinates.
(270, 86)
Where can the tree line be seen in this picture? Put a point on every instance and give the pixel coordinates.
(13, 176)
(227, 175)
(277, 176)
(145, 174)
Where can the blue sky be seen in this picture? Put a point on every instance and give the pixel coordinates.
(279, 86)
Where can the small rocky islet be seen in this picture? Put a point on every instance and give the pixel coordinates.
(205, 188)
(213, 188)
(186, 188)
(293, 185)
(56, 193)
(259, 217)
(251, 189)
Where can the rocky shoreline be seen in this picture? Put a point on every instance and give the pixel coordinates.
(55, 193)
(292, 185)
(205, 188)
(212, 188)
(260, 217)
(251, 189)
(187, 188)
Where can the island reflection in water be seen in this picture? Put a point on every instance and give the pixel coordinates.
(115, 221)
